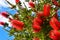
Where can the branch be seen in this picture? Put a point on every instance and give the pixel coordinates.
(12, 6)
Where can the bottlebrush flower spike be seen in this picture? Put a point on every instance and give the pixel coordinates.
(17, 1)
(54, 23)
(36, 28)
(31, 4)
(55, 2)
(5, 14)
(37, 21)
(40, 14)
(54, 34)
(36, 24)
(2, 23)
(46, 10)
(17, 24)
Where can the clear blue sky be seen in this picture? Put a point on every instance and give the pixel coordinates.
(4, 35)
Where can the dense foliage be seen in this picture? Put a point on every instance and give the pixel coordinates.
(38, 22)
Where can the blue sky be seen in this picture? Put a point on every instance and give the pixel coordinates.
(4, 34)
(5, 7)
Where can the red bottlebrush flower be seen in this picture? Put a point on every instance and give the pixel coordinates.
(35, 38)
(17, 24)
(36, 28)
(37, 21)
(46, 9)
(40, 14)
(54, 34)
(55, 3)
(54, 23)
(5, 14)
(2, 23)
(31, 4)
(36, 24)
(17, 1)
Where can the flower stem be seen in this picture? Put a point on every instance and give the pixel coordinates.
(42, 36)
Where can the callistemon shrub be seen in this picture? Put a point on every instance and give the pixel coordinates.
(36, 20)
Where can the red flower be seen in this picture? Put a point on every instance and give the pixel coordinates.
(54, 23)
(55, 2)
(5, 14)
(40, 14)
(2, 23)
(36, 28)
(35, 38)
(31, 4)
(37, 21)
(17, 24)
(54, 34)
(17, 1)
(36, 24)
(47, 8)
